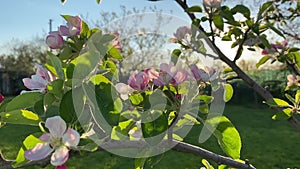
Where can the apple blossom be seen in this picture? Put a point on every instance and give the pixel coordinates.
(138, 81)
(73, 28)
(212, 3)
(199, 74)
(59, 139)
(136, 133)
(293, 80)
(171, 74)
(40, 80)
(54, 40)
(182, 31)
(124, 90)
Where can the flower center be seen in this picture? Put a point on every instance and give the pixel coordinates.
(55, 142)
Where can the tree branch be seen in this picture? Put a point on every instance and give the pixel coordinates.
(173, 144)
(256, 87)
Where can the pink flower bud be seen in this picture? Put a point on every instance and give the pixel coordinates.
(138, 81)
(61, 167)
(265, 52)
(212, 3)
(64, 30)
(54, 40)
(74, 24)
(1, 98)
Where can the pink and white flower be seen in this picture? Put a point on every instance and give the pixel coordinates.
(136, 133)
(199, 74)
(124, 90)
(73, 28)
(171, 74)
(293, 80)
(212, 3)
(182, 32)
(40, 80)
(59, 139)
(54, 40)
(138, 81)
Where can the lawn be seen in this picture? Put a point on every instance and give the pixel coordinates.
(266, 143)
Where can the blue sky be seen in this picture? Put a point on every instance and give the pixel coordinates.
(25, 19)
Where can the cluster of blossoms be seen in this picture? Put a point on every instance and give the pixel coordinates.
(39, 81)
(59, 139)
(274, 50)
(168, 74)
(73, 28)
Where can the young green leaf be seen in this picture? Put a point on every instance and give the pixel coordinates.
(262, 61)
(154, 126)
(283, 115)
(193, 9)
(56, 63)
(24, 117)
(277, 102)
(175, 55)
(227, 135)
(228, 92)
(23, 101)
(241, 9)
(218, 21)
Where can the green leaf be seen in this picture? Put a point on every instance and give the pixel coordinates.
(49, 98)
(20, 117)
(228, 92)
(264, 41)
(85, 65)
(227, 135)
(56, 63)
(154, 126)
(85, 29)
(99, 78)
(98, 1)
(264, 7)
(206, 164)
(297, 58)
(115, 53)
(136, 99)
(241, 9)
(226, 38)
(277, 102)
(66, 108)
(56, 87)
(297, 97)
(120, 132)
(291, 99)
(283, 115)
(293, 49)
(262, 61)
(29, 143)
(218, 21)
(175, 55)
(193, 9)
(23, 101)
(275, 30)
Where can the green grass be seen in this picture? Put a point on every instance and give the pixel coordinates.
(266, 143)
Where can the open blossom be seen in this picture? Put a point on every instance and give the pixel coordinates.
(182, 32)
(40, 80)
(1, 98)
(199, 74)
(171, 74)
(73, 28)
(54, 40)
(136, 133)
(212, 3)
(59, 139)
(124, 90)
(138, 81)
(293, 80)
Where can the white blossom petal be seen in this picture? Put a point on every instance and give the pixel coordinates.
(45, 137)
(57, 126)
(60, 156)
(40, 151)
(71, 138)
